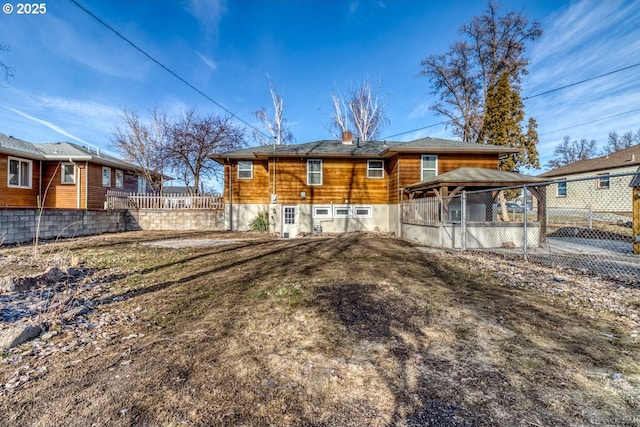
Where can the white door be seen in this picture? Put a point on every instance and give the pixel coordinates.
(289, 221)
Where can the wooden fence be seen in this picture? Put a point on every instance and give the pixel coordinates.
(118, 200)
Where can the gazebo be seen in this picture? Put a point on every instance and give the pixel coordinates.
(481, 207)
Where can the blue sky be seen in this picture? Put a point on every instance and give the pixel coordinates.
(73, 76)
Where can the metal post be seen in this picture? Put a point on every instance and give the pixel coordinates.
(463, 221)
(590, 218)
(524, 227)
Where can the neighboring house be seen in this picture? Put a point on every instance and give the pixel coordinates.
(573, 190)
(60, 175)
(338, 186)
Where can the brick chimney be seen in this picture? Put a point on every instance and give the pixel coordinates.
(347, 137)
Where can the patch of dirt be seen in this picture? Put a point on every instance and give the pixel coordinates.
(352, 330)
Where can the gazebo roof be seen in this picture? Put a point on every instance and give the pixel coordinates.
(476, 178)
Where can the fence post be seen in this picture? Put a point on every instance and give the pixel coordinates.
(463, 221)
(590, 218)
(524, 222)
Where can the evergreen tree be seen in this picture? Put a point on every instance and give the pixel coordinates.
(502, 125)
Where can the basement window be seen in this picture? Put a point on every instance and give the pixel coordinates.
(342, 212)
(245, 169)
(362, 212)
(19, 173)
(322, 212)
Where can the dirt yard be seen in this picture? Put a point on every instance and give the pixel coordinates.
(355, 330)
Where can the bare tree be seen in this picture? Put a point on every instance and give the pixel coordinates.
(145, 144)
(276, 125)
(364, 110)
(572, 151)
(4, 68)
(463, 77)
(617, 143)
(194, 138)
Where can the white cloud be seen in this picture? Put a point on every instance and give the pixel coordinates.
(48, 124)
(208, 13)
(208, 61)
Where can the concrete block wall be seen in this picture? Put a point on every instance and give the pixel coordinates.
(175, 220)
(20, 225)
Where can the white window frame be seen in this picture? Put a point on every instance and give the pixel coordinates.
(564, 182)
(242, 169)
(64, 176)
(342, 215)
(371, 170)
(309, 171)
(119, 178)
(322, 215)
(20, 180)
(142, 184)
(369, 213)
(603, 177)
(423, 169)
(106, 183)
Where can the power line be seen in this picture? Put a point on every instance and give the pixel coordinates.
(581, 81)
(592, 121)
(540, 94)
(173, 73)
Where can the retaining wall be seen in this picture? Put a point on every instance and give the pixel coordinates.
(20, 225)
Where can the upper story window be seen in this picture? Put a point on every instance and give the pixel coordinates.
(429, 166)
(68, 173)
(314, 172)
(245, 169)
(106, 176)
(375, 168)
(119, 178)
(19, 172)
(562, 189)
(603, 181)
(142, 185)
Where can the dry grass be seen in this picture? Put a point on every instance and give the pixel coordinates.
(354, 330)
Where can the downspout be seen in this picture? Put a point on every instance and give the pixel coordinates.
(40, 182)
(86, 185)
(78, 180)
(230, 195)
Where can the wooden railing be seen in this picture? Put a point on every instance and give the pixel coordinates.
(118, 200)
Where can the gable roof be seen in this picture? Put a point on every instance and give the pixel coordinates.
(18, 147)
(62, 151)
(622, 158)
(476, 177)
(635, 182)
(336, 148)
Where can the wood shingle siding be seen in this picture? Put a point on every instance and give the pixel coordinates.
(58, 195)
(18, 197)
(342, 179)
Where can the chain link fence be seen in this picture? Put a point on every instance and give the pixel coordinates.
(585, 224)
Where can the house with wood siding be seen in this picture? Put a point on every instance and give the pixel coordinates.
(338, 186)
(60, 175)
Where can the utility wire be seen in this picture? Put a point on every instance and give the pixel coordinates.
(446, 122)
(173, 73)
(581, 81)
(592, 121)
